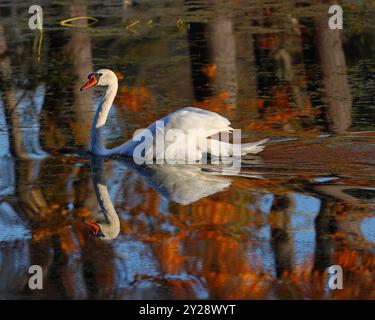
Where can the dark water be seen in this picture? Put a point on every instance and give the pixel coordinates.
(270, 231)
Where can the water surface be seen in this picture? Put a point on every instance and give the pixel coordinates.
(189, 232)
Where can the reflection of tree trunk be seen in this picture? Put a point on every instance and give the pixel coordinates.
(246, 67)
(222, 49)
(98, 274)
(325, 226)
(67, 112)
(282, 243)
(286, 54)
(6, 162)
(213, 43)
(14, 264)
(199, 58)
(246, 70)
(10, 99)
(284, 59)
(30, 204)
(333, 66)
(30, 196)
(40, 253)
(80, 49)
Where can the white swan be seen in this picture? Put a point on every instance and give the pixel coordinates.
(189, 118)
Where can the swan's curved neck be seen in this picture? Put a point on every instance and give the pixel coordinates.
(96, 144)
(110, 222)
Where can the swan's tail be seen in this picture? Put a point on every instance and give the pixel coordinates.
(253, 147)
(220, 148)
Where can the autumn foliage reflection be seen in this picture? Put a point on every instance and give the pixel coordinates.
(210, 248)
(274, 70)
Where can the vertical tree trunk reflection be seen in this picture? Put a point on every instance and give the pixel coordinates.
(10, 99)
(325, 226)
(213, 43)
(222, 50)
(281, 241)
(335, 80)
(72, 64)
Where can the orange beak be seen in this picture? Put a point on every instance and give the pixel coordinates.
(93, 227)
(92, 82)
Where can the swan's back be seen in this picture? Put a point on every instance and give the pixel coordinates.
(190, 118)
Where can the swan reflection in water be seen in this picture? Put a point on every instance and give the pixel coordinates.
(182, 184)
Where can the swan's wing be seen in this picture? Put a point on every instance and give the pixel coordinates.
(183, 121)
(189, 118)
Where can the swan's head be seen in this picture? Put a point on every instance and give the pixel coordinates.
(102, 77)
(104, 231)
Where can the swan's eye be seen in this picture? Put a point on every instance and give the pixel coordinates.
(95, 75)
